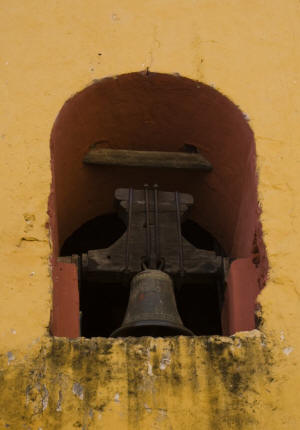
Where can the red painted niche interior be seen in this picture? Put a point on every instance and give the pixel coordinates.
(163, 112)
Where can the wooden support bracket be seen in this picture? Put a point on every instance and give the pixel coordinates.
(153, 159)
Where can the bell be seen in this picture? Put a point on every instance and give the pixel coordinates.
(152, 309)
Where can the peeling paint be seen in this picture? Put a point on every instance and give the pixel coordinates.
(147, 408)
(78, 390)
(10, 357)
(288, 350)
(165, 361)
(59, 402)
(150, 373)
(45, 397)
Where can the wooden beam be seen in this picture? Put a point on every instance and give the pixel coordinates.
(157, 159)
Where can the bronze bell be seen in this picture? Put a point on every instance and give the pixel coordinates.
(152, 309)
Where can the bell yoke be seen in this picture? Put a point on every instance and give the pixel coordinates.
(154, 258)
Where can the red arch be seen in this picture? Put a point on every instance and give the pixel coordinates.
(156, 111)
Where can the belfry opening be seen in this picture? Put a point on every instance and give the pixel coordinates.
(155, 112)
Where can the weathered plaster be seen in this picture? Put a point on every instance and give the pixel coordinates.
(50, 50)
(174, 383)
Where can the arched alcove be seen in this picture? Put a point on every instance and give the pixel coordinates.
(153, 111)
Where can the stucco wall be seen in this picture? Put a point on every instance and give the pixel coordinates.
(50, 50)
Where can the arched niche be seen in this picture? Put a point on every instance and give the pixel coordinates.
(154, 111)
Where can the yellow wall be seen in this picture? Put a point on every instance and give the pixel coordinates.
(249, 50)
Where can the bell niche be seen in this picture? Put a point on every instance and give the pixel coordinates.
(153, 211)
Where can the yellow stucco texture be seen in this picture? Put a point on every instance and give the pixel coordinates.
(248, 50)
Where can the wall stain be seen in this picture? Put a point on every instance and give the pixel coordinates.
(222, 373)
